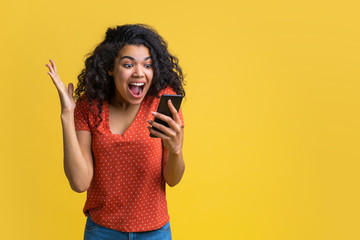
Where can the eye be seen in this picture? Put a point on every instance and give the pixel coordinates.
(128, 65)
(148, 65)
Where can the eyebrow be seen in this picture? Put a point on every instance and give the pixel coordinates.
(133, 59)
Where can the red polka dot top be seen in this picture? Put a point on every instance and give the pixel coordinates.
(127, 192)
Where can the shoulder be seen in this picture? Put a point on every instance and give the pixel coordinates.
(86, 106)
(82, 105)
(156, 98)
(167, 90)
(82, 101)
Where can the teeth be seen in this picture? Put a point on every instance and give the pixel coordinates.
(137, 84)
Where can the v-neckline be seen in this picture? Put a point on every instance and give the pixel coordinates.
(107, 113)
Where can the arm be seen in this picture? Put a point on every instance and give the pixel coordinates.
(78, 162)
(173, 164)
(172, 139)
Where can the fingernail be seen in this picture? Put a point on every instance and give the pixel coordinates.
(154, 113)
(149, 121)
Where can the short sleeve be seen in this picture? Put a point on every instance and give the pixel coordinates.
(169, 90)
(81, 115)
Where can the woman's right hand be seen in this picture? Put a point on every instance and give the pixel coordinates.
(65, 93)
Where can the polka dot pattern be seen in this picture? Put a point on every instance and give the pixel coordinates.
(127, 192)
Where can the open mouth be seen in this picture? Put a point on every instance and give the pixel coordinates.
(136, 89)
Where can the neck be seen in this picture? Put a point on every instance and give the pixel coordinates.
(121, 104)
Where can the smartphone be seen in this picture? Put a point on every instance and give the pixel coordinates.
(164, 109)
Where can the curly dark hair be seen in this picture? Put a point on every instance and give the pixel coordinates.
(95, 82)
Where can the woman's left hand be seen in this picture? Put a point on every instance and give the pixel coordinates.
(171, 136)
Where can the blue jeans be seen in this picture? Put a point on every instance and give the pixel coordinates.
(94, 231)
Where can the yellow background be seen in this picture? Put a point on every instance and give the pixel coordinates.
(271, 113)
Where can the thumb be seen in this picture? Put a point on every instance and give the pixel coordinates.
(71, 89)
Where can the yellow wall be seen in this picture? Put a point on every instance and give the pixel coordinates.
(272, 115)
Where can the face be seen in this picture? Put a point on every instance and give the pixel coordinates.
(132, 74)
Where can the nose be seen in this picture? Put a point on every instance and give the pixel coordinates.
(138, 71)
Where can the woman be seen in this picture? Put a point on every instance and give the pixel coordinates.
(107, 148)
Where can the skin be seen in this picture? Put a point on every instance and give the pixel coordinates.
(132, 64)
(172, 139)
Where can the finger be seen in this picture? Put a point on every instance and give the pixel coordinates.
(165, 118)
(55, 80)
(174, 112)
(172, 124)
(52, 78)
(71, 89)
(50, 68)
(50, 74)
(158, 134)
(53, 64)
(167, 131)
